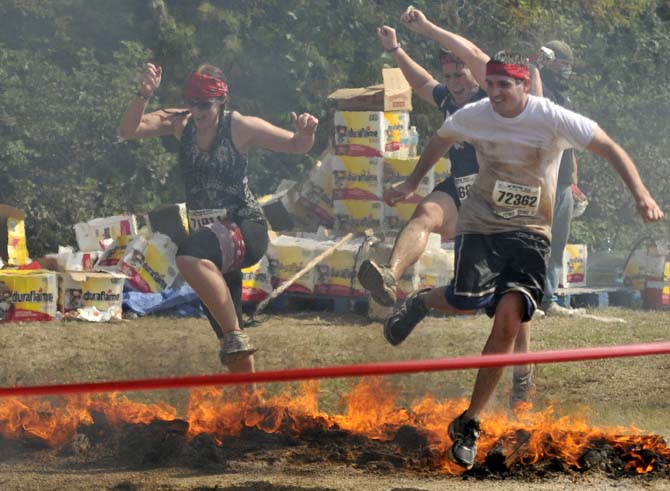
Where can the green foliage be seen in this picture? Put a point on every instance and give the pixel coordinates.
(68, 68)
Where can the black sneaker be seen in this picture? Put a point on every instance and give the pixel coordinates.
(464, 435)
(523, 389)
(402, 322)
(379, 281)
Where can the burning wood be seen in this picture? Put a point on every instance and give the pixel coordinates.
(373, 433)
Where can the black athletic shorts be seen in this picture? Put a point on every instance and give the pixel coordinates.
(489, 266)
(203, 244)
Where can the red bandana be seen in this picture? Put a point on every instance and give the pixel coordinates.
(519, 72)
(201, 87)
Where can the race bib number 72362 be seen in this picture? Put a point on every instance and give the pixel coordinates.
(513, 200)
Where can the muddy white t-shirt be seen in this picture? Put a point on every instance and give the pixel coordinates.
(518, 163)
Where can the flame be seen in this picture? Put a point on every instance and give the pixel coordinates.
(371, 409)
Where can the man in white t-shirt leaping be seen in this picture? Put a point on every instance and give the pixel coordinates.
(504, 228)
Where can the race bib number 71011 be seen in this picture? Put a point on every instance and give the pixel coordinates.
(200, 218)
(513, 200)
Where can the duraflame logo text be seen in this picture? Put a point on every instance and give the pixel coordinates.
(101, 297)
(32, 296)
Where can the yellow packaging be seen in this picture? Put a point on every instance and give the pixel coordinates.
(397, 170)
(441, 170)
(353, 215)
(316, 193)
(13, 247)
(256, 282)
(336, 275)
(28, 295)
(369, 133)
(357, 177)
(150, 264)
(287, 255)
(78, 289)
(574, 266)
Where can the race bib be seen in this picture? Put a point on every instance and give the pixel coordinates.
(463, 185)
(515, 200)
(200, 218)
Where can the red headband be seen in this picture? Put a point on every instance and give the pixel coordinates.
(201, 86)
(513, 70)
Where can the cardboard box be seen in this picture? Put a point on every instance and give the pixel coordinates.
(396, 170)
(28, 295)
(287, 256)
(316, 193)
(574, 266)
(81, 290)
(336, 274)
(256, 282)
(394, 94)
(369, 133)
(150, 263)
(13, 248)
(94, 234)
(356, 215)
(357, 177)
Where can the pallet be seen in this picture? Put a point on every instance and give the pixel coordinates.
(599, 297)
(299, 302)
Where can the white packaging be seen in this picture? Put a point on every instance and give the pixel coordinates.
(94, 234)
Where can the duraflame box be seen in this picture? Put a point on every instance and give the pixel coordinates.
(82, 289)
(397, 170)
(287, 256)
(436, 265)
(336, 274)
(94, 234)
(441, 170)
(394, 94)
(656, 292)
(256, 282)
(316, 193)
(369, 133)
(13, 248)
(357, 177)
(574, 266)
(27, 296)
(150, 263)
(355, 215)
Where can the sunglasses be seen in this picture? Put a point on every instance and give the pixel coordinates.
(201, 105)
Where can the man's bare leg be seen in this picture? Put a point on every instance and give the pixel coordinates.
(506, 326)
(436, 213)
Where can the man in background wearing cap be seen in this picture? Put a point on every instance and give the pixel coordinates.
(556, 71)
(504, 227)
(464, 69)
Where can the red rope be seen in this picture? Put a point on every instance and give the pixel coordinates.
(413, 366)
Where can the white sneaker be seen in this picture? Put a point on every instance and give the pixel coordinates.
(538, 314)
(560, 311)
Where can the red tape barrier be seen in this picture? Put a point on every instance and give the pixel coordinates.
(398, 367)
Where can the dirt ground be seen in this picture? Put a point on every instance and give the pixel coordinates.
(631, 391)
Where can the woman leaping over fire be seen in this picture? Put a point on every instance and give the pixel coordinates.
(228, 229)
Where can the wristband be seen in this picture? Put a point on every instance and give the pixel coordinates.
(394, 49)
(143, 97)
